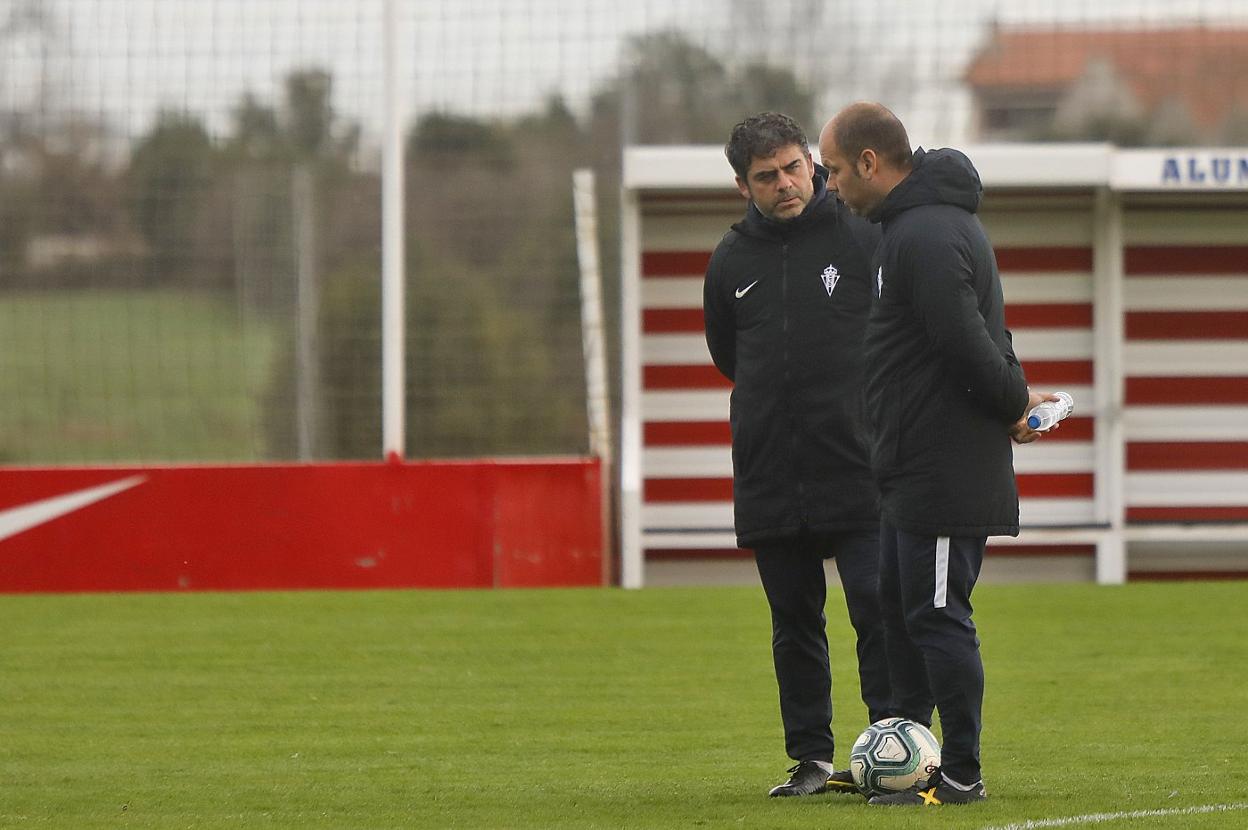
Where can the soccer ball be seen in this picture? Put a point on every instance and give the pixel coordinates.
(893, 755)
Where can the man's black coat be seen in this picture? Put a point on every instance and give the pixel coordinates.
(943, 383)
(786, 304)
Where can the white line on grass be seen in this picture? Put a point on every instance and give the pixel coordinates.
(1099, 818)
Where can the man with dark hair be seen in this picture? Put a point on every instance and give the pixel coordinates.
(945, 394)
(785, 298)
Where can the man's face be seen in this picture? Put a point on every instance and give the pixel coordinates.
(781, 185)
(845, 178)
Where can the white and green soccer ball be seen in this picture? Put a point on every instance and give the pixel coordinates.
(893, 755)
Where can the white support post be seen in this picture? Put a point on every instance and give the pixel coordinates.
(1108, 333)
(594, 348)
(393, 403)
(632, 556)
(593, 337)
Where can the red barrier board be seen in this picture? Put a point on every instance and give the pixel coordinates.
(352, 525)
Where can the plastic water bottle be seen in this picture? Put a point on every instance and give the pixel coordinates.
(1048, 413)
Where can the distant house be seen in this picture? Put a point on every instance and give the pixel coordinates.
(1156, 86)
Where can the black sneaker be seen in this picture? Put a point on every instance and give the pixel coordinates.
(842, 781)
(805, 778)
(935, 793)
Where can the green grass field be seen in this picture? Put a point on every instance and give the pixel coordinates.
(130, 375)
(584, 708)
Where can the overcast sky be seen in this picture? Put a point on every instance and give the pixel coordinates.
(123, 59)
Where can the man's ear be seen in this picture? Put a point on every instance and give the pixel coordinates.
(868, 164)
(743, 188)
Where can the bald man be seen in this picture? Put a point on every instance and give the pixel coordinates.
(945, 395)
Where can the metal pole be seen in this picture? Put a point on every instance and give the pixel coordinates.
(308, 311)
(393, 403)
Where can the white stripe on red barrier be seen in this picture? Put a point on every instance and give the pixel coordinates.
(1056, 287)
(671, 292)
(1185, 293)
(1202, 489)
(685, 405)
(1206, 358)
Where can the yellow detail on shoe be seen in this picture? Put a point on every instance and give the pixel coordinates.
(929, 797)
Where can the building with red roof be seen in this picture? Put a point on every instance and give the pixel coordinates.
(1134, 86)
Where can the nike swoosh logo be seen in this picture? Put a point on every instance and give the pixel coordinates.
(19, 519)
(741, 292)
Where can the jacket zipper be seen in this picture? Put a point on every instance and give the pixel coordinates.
(794, 455)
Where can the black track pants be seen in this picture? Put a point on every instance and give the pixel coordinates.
(933, 650)
(793, 579)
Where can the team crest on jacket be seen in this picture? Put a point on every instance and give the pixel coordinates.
(830, 278)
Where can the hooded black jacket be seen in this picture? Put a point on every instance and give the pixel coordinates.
(943, 384)
(793, 348)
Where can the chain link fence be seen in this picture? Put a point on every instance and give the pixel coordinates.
(190, 192)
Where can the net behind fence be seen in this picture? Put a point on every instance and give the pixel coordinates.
(190, 220)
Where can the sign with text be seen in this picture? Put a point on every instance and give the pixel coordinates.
(1193, 169)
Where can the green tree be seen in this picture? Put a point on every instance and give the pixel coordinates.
(490, 230)
(673, 91)
(256, 133)
(302, 211)
(703, 98)
(171, 171)
(762, 86)
(54, 185)
(459, 140)
(310, 115)
(494, 351)
(493, 321)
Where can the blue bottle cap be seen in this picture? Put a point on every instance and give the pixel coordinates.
(1033, 421)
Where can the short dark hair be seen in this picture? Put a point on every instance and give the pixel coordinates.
(865, 126)
(761, 136)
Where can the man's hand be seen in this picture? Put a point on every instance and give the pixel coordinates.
(1020, 432)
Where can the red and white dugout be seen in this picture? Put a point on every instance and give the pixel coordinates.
(1126, 284)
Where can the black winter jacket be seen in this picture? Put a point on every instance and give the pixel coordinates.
(785, 306)
(943, 384)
